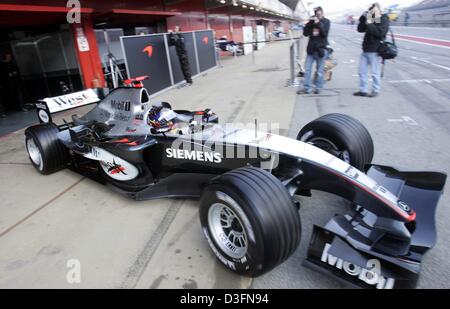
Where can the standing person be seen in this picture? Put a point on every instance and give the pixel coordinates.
(11, 82)
(317, 30)
(175, 39)
(375, 26)
(406, 19)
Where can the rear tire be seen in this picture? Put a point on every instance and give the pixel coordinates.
(250, 221)
(342, 136)
(45, 150)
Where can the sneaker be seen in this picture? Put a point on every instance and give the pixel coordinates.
(317, 91)
(373, 94)
(304, 91)
(361, 94)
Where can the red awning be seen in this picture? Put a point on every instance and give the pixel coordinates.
(39, 8)
(142, 12)
(132, 17)
(16, 15)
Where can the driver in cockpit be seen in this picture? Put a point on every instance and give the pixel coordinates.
(163, 119)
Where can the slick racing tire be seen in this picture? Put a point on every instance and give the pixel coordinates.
(45, 150)
(249, 220)
(342, 136)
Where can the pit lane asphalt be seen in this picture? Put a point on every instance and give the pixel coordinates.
(410, 125)
(47, 221)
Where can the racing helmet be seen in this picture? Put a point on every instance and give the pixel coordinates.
(160, 116)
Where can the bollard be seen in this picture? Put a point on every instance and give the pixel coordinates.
(292, 82)
(218, 60)
(297, 45)
(253, 53)
(301, 53)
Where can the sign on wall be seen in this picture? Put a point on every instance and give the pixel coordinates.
(261, 36)
(151, 55)
(147, 55)
(82, 41)
(247, 33)
(206, 49)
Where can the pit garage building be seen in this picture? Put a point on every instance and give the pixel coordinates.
(43, 55)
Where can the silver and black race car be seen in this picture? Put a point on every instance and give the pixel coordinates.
(248, 182)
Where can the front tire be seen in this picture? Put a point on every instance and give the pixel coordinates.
(341, 135)
(250, 221)
(45, 150)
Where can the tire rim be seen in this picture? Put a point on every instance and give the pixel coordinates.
(34, 153)
(330, 147)
(227, 230)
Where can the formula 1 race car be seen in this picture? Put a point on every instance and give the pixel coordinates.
(249, 181)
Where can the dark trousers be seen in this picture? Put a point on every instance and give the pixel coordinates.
(185, 67)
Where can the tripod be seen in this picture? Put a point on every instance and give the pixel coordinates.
(112, 69)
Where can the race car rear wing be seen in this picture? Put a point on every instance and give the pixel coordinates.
(48, 106)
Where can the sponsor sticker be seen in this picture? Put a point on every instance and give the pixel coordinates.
(352, 172)
(68, 101)
(371, 274)
(404, 206)
(121, 105)
(203, 156)
(43, 115)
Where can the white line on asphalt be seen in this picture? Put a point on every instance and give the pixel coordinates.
(425, 38)
(408, 120)
(415, 81)
(428, 28)
(420, 58)
(423, 43)
(430, 63)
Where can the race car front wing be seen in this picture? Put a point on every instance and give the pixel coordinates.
(370, 251)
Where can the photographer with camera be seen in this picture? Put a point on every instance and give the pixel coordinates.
(375, 26)
(317, 30)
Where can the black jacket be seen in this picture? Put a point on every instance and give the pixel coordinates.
(375, 33)
(318, 35)
(175, 39)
